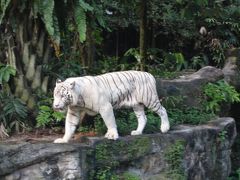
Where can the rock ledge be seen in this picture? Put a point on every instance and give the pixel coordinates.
(206, 155)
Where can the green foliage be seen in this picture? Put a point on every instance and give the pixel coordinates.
(85, 5)
(130, 176)
(47, 116)
(198, 62)
(174, 156)
(80, 16)
(13, 112)
(107, 155)
(126, 122)
(222, 135)
(3, 6)
(63, 69)
(235, 175)
(238, 173)
(6, 72)
(190, 115)
(133, 52)
(45, 8)
(175, 61)
(111, 64)
(218, 93)
(179, 113)
(105, 174)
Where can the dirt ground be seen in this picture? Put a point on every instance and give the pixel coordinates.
(43, 135)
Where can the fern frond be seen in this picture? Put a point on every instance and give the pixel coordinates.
(80, 18)
(45, 8)
(14, 107)
(6, 72)
(85, 5)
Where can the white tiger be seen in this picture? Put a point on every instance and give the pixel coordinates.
(103, 93)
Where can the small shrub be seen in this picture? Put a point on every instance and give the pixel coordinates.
(189, 115)
(218, 93)
(6, 72)
(13, 110)
(46, 116)
(13, 113)
(130, 176)
(222, 135)
(174, 156)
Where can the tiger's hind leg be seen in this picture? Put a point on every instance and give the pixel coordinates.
(161, 111)
(141, 118)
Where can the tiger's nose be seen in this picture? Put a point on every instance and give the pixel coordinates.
(55, 106)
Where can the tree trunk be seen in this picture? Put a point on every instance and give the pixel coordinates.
(27, 50)
(142, 37)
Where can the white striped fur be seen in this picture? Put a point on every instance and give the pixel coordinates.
(103, 93)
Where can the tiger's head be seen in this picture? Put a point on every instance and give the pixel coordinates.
(62, 95)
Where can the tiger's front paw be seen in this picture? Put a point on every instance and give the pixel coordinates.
(60, 140)
(112, 134)
(165, 127)
(134, 133)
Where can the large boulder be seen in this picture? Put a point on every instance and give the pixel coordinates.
(192, 152)
(189, 86)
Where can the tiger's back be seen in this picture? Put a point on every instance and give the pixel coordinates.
(128, 88)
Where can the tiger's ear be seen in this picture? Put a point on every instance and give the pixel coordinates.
(58, 81)
(72, 84)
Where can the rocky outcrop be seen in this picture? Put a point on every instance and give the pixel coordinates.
(193, 152)
(189, 86)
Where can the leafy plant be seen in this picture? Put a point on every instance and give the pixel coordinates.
(133, 52)
(174, 156)
(175, 61)
(198, 62)
(238, 173)
(222, 135)
(47, 116)
(190, 115)
(13, 112)
(217, 93)
(130, 176)
(80, 10)
(6, 71)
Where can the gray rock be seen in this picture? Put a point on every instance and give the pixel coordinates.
(205, 155)
(189, 86)
(231, 68)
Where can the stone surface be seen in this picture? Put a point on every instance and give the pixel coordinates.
(189, 86)
(205, 155)
(231, 68)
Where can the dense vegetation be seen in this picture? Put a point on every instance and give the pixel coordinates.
(41, 40)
